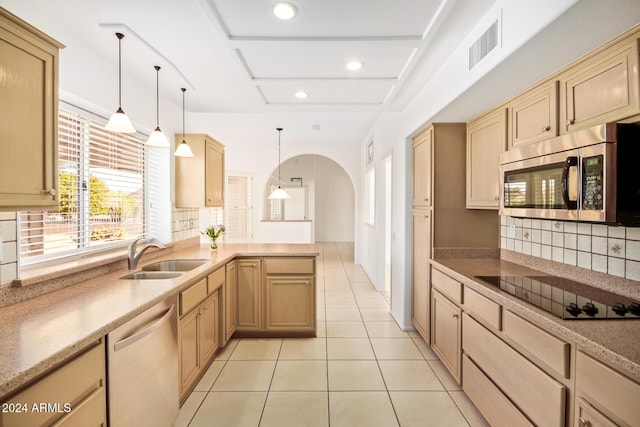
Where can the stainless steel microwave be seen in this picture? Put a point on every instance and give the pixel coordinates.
(590, 175)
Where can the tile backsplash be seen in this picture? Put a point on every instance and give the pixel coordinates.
(184, 223)
(607, 249)
(8, 236)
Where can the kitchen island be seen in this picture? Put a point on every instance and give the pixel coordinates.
(43, 332)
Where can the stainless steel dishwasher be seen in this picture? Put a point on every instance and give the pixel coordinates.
(142, 376)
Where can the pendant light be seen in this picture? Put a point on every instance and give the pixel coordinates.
(119, 122)
(279, 193)
(157, 138)
(183, 149)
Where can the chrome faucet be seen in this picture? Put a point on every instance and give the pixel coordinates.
(134, 256)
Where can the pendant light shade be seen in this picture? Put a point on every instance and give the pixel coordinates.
(183, 150)
(119, 122)
(157, 138)
(279, 193)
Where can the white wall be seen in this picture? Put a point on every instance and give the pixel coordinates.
(455, 94)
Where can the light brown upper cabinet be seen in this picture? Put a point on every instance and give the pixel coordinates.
(486, 139)
(601, 88)
(29, 111)
(422, 151)
(533, 116)
(200, 179)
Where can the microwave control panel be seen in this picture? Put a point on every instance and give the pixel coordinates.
(592, 185)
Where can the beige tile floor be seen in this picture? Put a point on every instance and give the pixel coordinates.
(361, 370)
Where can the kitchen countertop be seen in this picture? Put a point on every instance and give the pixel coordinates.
(613, 341)
(41, 332)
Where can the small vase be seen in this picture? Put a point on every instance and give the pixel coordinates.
(214, 245)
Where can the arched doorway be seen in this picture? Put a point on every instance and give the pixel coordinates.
(321, 191)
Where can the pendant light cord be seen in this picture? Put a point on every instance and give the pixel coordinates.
(157, 95)
(279, 163)
(183, 91)
(120, 36)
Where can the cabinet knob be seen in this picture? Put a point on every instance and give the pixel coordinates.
(426, 199)
(455, 316)
(307, 282)
(546, 128)
(584, 423)
(496, 198)
(52, 192)
(571, 122)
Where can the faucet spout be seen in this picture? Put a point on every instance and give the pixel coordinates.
(135, 255)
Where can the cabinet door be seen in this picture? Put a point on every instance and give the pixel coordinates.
(190, 361)
(533, 116)
(249, 273)
(29, 111)
(603, 88)
(230, 302)
(486, 139)
(290, 303)
(421, 256)
(209, 326)
(214, 174)
(446, 339)
(422, 154)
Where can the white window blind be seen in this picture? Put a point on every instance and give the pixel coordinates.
(238, 208)
(101, 193)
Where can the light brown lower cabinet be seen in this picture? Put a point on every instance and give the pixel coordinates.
(446, 333)
(604, 396)
(74, 394)
(276, 295)
(230, 302)
(198, 334)
(538, 396)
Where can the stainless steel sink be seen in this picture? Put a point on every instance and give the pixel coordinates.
(175, 265)
(152, 275)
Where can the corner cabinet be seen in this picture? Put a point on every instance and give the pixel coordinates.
(29, 111)
(200, 179)
(486, 139)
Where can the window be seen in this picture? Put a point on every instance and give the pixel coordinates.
(101, 192)
(238, 208)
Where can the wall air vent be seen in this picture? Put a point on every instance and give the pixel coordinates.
(485, 44)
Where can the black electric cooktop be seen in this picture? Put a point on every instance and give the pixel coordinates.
(565, 298)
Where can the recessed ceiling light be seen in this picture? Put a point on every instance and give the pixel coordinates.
(301, 94)
(285, 10)
(355, 65)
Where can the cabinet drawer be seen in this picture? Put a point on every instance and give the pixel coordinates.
(552, 351)
(494, 406)
(588, 416)
(193, 296)
(289, 265)
(447, 286)
(91, 412)
(69, 384)
(483, 307)
(215, 280)
(608, 389)
(539, 396)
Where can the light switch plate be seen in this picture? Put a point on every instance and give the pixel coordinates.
(511, 231)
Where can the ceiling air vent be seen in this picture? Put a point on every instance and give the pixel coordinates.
(485, 44)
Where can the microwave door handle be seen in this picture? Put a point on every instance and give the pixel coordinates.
(571, 162)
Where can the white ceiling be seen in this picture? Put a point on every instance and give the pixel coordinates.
(234, 56)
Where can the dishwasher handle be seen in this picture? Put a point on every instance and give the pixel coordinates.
(144, 332)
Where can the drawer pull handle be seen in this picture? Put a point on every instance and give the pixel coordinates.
(584, 423)
(149, 328)
(455, 316)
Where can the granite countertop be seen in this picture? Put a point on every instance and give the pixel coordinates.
(614, 341)
(41, 332)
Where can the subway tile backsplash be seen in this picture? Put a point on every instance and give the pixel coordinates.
(604, 248)
(184, 223)
(8, 262)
